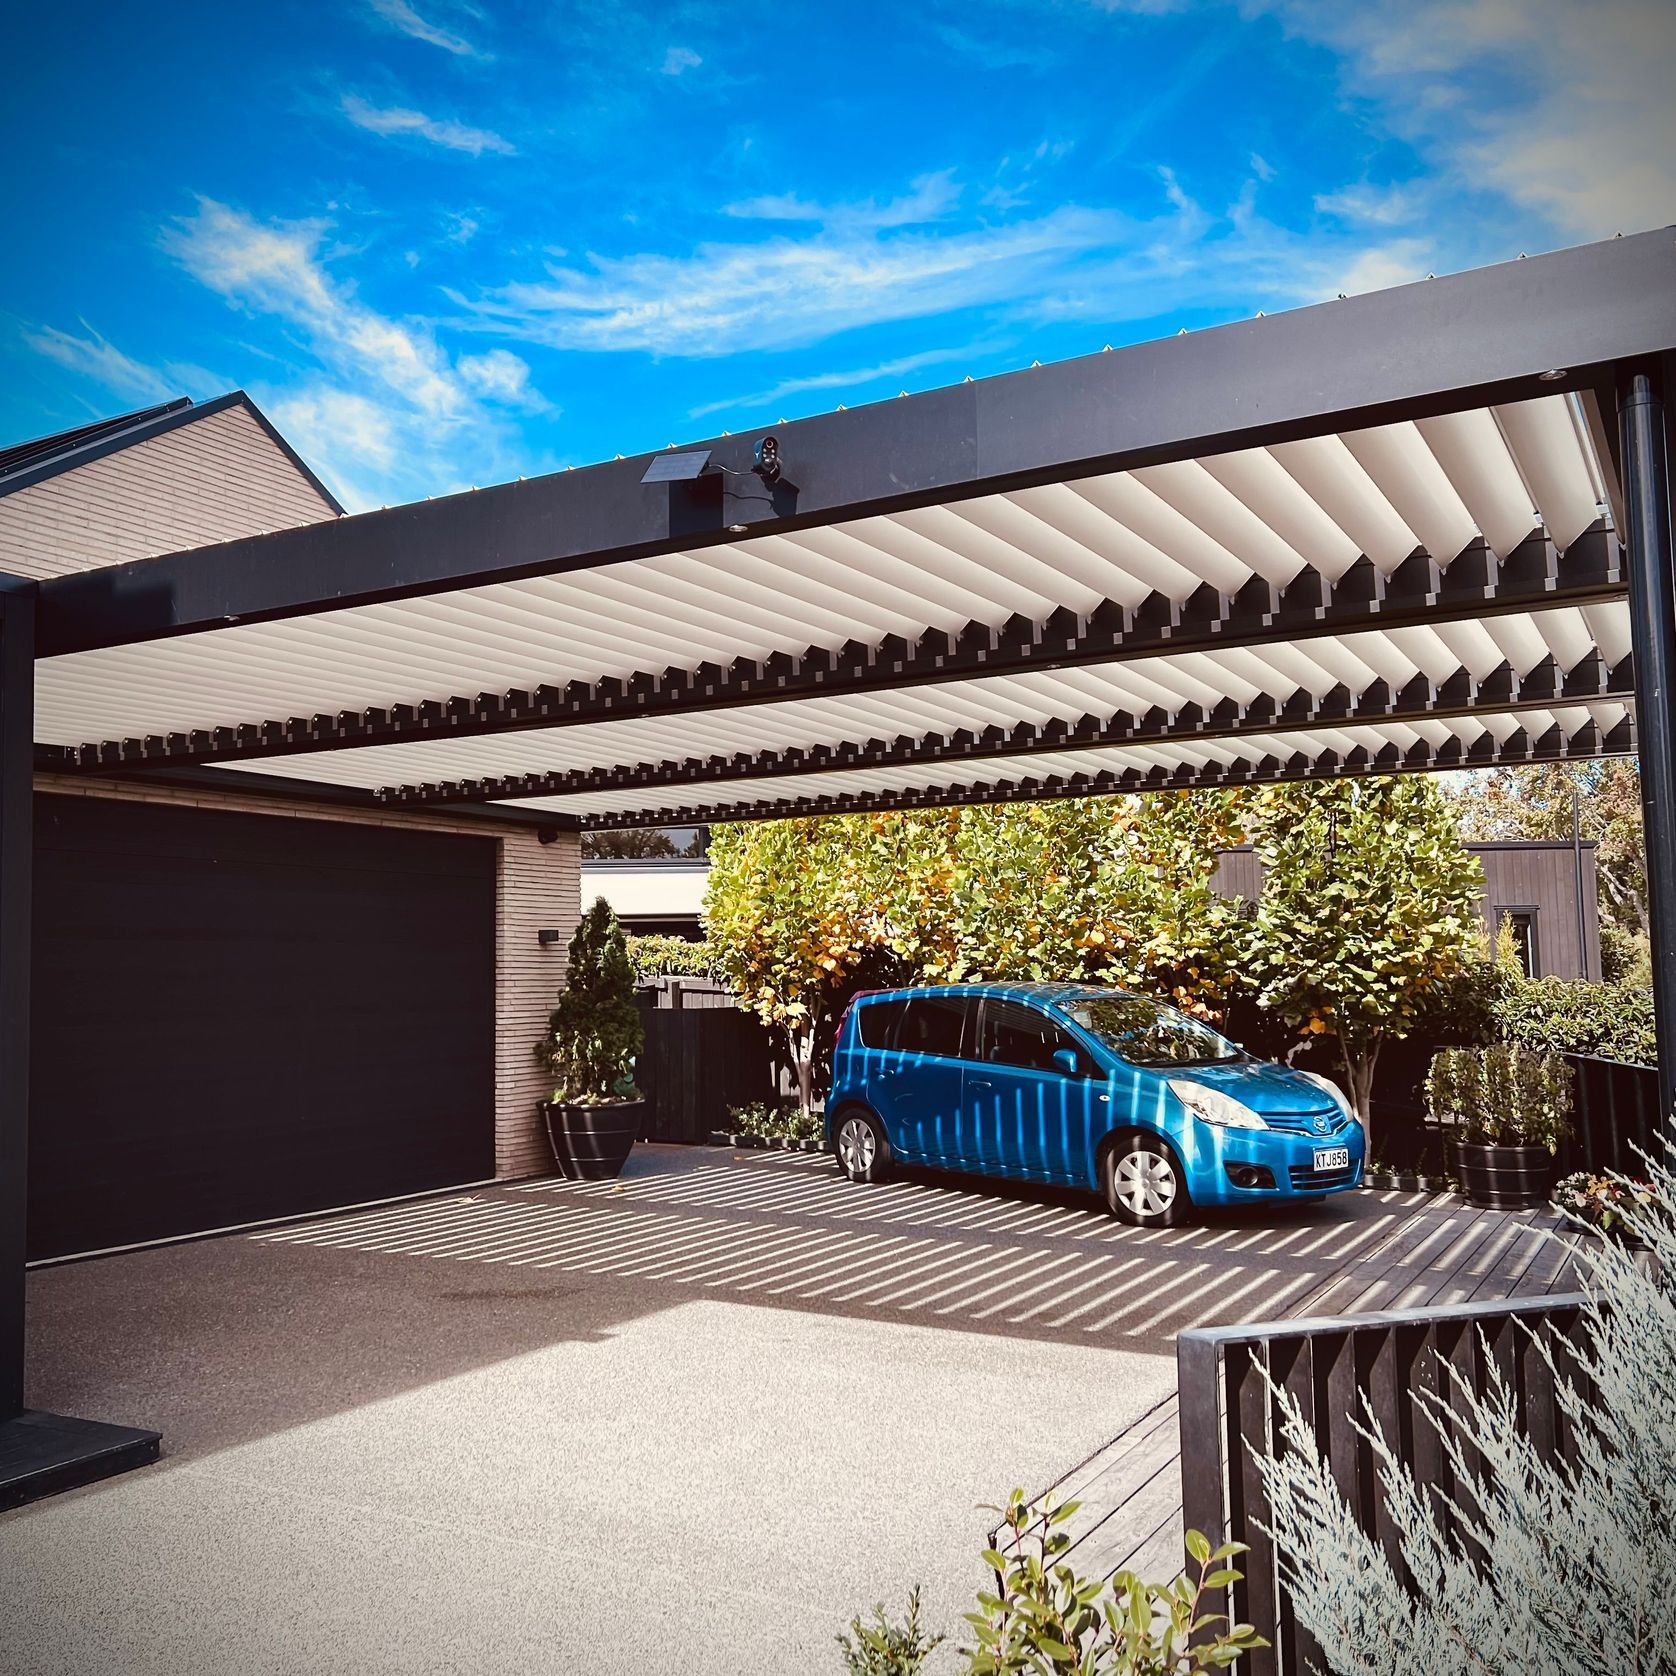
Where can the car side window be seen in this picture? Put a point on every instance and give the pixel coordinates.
(933, 1025)
(876, 1022)
(1016, 1035)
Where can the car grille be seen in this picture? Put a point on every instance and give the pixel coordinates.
(1303, 1125)
(1306, 1180)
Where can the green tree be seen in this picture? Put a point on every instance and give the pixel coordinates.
(1369, 904)
(1534, 800)
(594, 1034)
(1117, 889)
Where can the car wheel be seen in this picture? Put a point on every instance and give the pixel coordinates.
(859, 1142)
(1144, 1183)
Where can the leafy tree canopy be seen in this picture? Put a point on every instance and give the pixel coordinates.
(1369, 906)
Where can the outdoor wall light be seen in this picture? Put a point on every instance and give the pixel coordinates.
(546, 937)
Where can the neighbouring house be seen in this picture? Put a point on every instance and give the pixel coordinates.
(1545, 890)
(189, 940)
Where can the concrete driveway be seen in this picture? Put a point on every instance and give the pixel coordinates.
(387, 1450)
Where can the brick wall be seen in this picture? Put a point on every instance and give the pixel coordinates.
(213, 479)
(537, 889)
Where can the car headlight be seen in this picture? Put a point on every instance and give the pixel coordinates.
(1214, 1106)
(1328, 1086)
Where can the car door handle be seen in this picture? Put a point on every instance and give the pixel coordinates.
(979, 1082)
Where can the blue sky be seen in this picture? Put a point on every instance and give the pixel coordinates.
(447, 242)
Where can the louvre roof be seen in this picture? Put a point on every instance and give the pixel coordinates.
(1006, 590)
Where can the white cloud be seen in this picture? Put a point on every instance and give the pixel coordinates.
(1564, 109)
(97, 358)
(840, 272)
(452, 136)
(856, 378)
(1261, 166)
(500, 376)
(928, 198)
(679, 59)
(402, 17)
(788, 291)
(393, 418)
(1380, 206)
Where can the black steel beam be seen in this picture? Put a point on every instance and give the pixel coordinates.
(1646, 468)
(1475, 584)
(1551, 746)
(1502, 689)
(1417, 350)
(272, 787)
(17, 697)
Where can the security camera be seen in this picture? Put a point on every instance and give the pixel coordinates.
(766, 461)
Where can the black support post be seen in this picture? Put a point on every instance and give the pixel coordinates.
(17, 703)
(39, 1453)
(1652, 595)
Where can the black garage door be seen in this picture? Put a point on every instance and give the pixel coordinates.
(242, 1016)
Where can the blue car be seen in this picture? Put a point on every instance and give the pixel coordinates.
(1090, 1087)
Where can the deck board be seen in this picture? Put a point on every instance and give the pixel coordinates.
(1440, 1250)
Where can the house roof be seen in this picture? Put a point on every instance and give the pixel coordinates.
(41, 458)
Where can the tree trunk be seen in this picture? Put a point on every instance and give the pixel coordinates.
(1360, 1058)
(803, 1057)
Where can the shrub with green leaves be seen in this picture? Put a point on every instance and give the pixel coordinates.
(1563, 1567)
(1557, 1015)
(1503, 1095)
(1045, 1620)
(670, 957)
(882, 1648)
(773, 1123)
(594, 1034)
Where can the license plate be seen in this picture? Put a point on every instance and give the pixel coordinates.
(1332, 1158)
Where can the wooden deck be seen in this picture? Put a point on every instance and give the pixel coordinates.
(1445, 1252)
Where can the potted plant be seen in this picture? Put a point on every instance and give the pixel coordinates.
(1600, 1202)
(593, 1038)
(1509, 1107)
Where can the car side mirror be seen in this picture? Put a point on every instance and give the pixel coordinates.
(1065, 1060)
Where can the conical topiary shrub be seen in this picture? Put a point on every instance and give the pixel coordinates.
(593, 1037)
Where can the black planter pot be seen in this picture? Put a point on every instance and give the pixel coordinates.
(592, 1143)
(1504, 1177)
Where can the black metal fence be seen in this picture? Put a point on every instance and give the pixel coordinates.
(702, 1055)
(1229, 1417)
(1617, 1111)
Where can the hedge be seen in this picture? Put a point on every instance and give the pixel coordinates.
(671, 957)
(1604, 1020)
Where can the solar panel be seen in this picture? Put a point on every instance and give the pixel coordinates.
(676, 468)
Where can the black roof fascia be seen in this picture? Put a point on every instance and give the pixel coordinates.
(1434, 346)
(20, 458)
(279, 788)
(114, 435)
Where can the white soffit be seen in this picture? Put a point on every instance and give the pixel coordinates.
(1322, 502)
(1020, 772)
(1103, 690)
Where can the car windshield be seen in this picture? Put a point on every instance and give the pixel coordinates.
(1145, 1033)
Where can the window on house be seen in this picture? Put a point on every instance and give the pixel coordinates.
(1522, 923)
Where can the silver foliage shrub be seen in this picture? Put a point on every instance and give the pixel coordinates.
(1581, 1572)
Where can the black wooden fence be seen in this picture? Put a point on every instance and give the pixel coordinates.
(702, 1055)
(1229, 1417)
(1617, 1111)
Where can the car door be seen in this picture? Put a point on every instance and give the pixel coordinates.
(920, 1084)
(1029, 1110)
